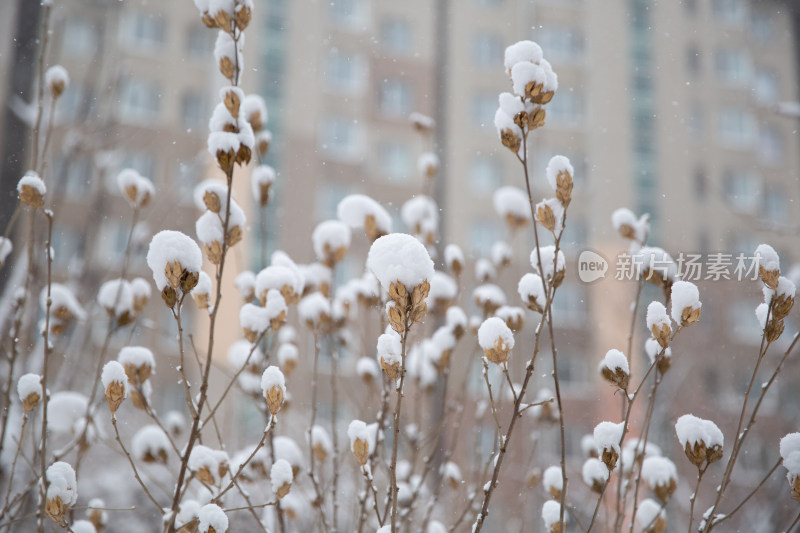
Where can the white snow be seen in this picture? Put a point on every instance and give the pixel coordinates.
(558, 213)
(551, 514)
(451, 472)
(588, 446)
(64, 410)
(658, 471)
(205, 457)
(62, 483)
(550, 77)
(367, 368)
(657, 315)
(314, 309)
(253, 105)
(287, 448)
(31, 179)
(692, 430)
(287, 354)
(456, 318)
(354, 209)
(443, 287)
(615, 359)
(56, 75)
(116, 297)
(136, 188)
(168, 246)
(238, 352)
(547, 254)
(399, 257)
(280, 474)
(273, 377)
(82, 526)
(511, 201)
(211, 515)
(321, 439)
(625, 217)
(361, 431)
(203, 287)
(522, 51)
(593, 471)
(494, 330)
(652, 348)
(263, 176)
(453, 254)
(551, 479)
(136, 356)
(789, 445)
(63, 301)
(113, 372)
(140, 289)
(420, 215)
(684, 294)
(531, 287)
(422, 120)
(189, 508)
(28, 384)
(246, 284)
(501, 253)
(489, 293)
(649, 511)
(786, 288)
(211, 187)
(792, 465)
(428, 164)
(287, 334)
(524, 73)
(277, 277)
(389, 349)
(767, 258)
(558, 164)
(484, 270)
(5, 249)
(254, 318)
(151, 442)
(328, 237)
(225, 48)
(608, 435)
(508, 313)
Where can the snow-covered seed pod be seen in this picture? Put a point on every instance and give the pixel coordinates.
(331, 241)
(595, 474)
(651, 516)
(62, 491)
(138, 362)
(389, 353)
(175, 260)
(607, 437)
(550, 215)
(150, 445)
(115, 383)
(701, 439)
(512, 205)
(280, 476)
(553, 482)
(514, 317)
(661, 476)
(56, 79)
(31, 190)
(362, 440)
(96, 515)
(614, 367)
(211, 519)
(686, 303)
(454, 259)
(263, 176)
(551, 514)
(273, 386)
(404, 269)
(137, 189)
(29, 389)
(208, 465)
(496, 340)
(559, 175)
(202, 291)
(769, 265)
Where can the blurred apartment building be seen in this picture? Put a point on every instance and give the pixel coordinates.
(663, 107)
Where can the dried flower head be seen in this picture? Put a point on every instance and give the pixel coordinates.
(31, 190)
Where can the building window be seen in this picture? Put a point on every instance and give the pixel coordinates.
(328, 198)
(396, 35)
(144, 31)
(341, 138)
(776, 205)
(344, 72)
(700, 185)
(730, 11)
(395, 97)
(693, 60)
(766, 87)
(761, 26)
(561, 43)
(694, 121)
(139, 102)
(199, 42)
(770, 145)
(350, 14)
(733, 66)
(737, 128)
(193, 110)
(484, 106)
(75, 172)
(485, 174)
(487, 49)
(66, 244)
(80, 38)
(394, 160)
(570, 307)
(742, 190)
(483, 234)
(567, 109)
(111, 242)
